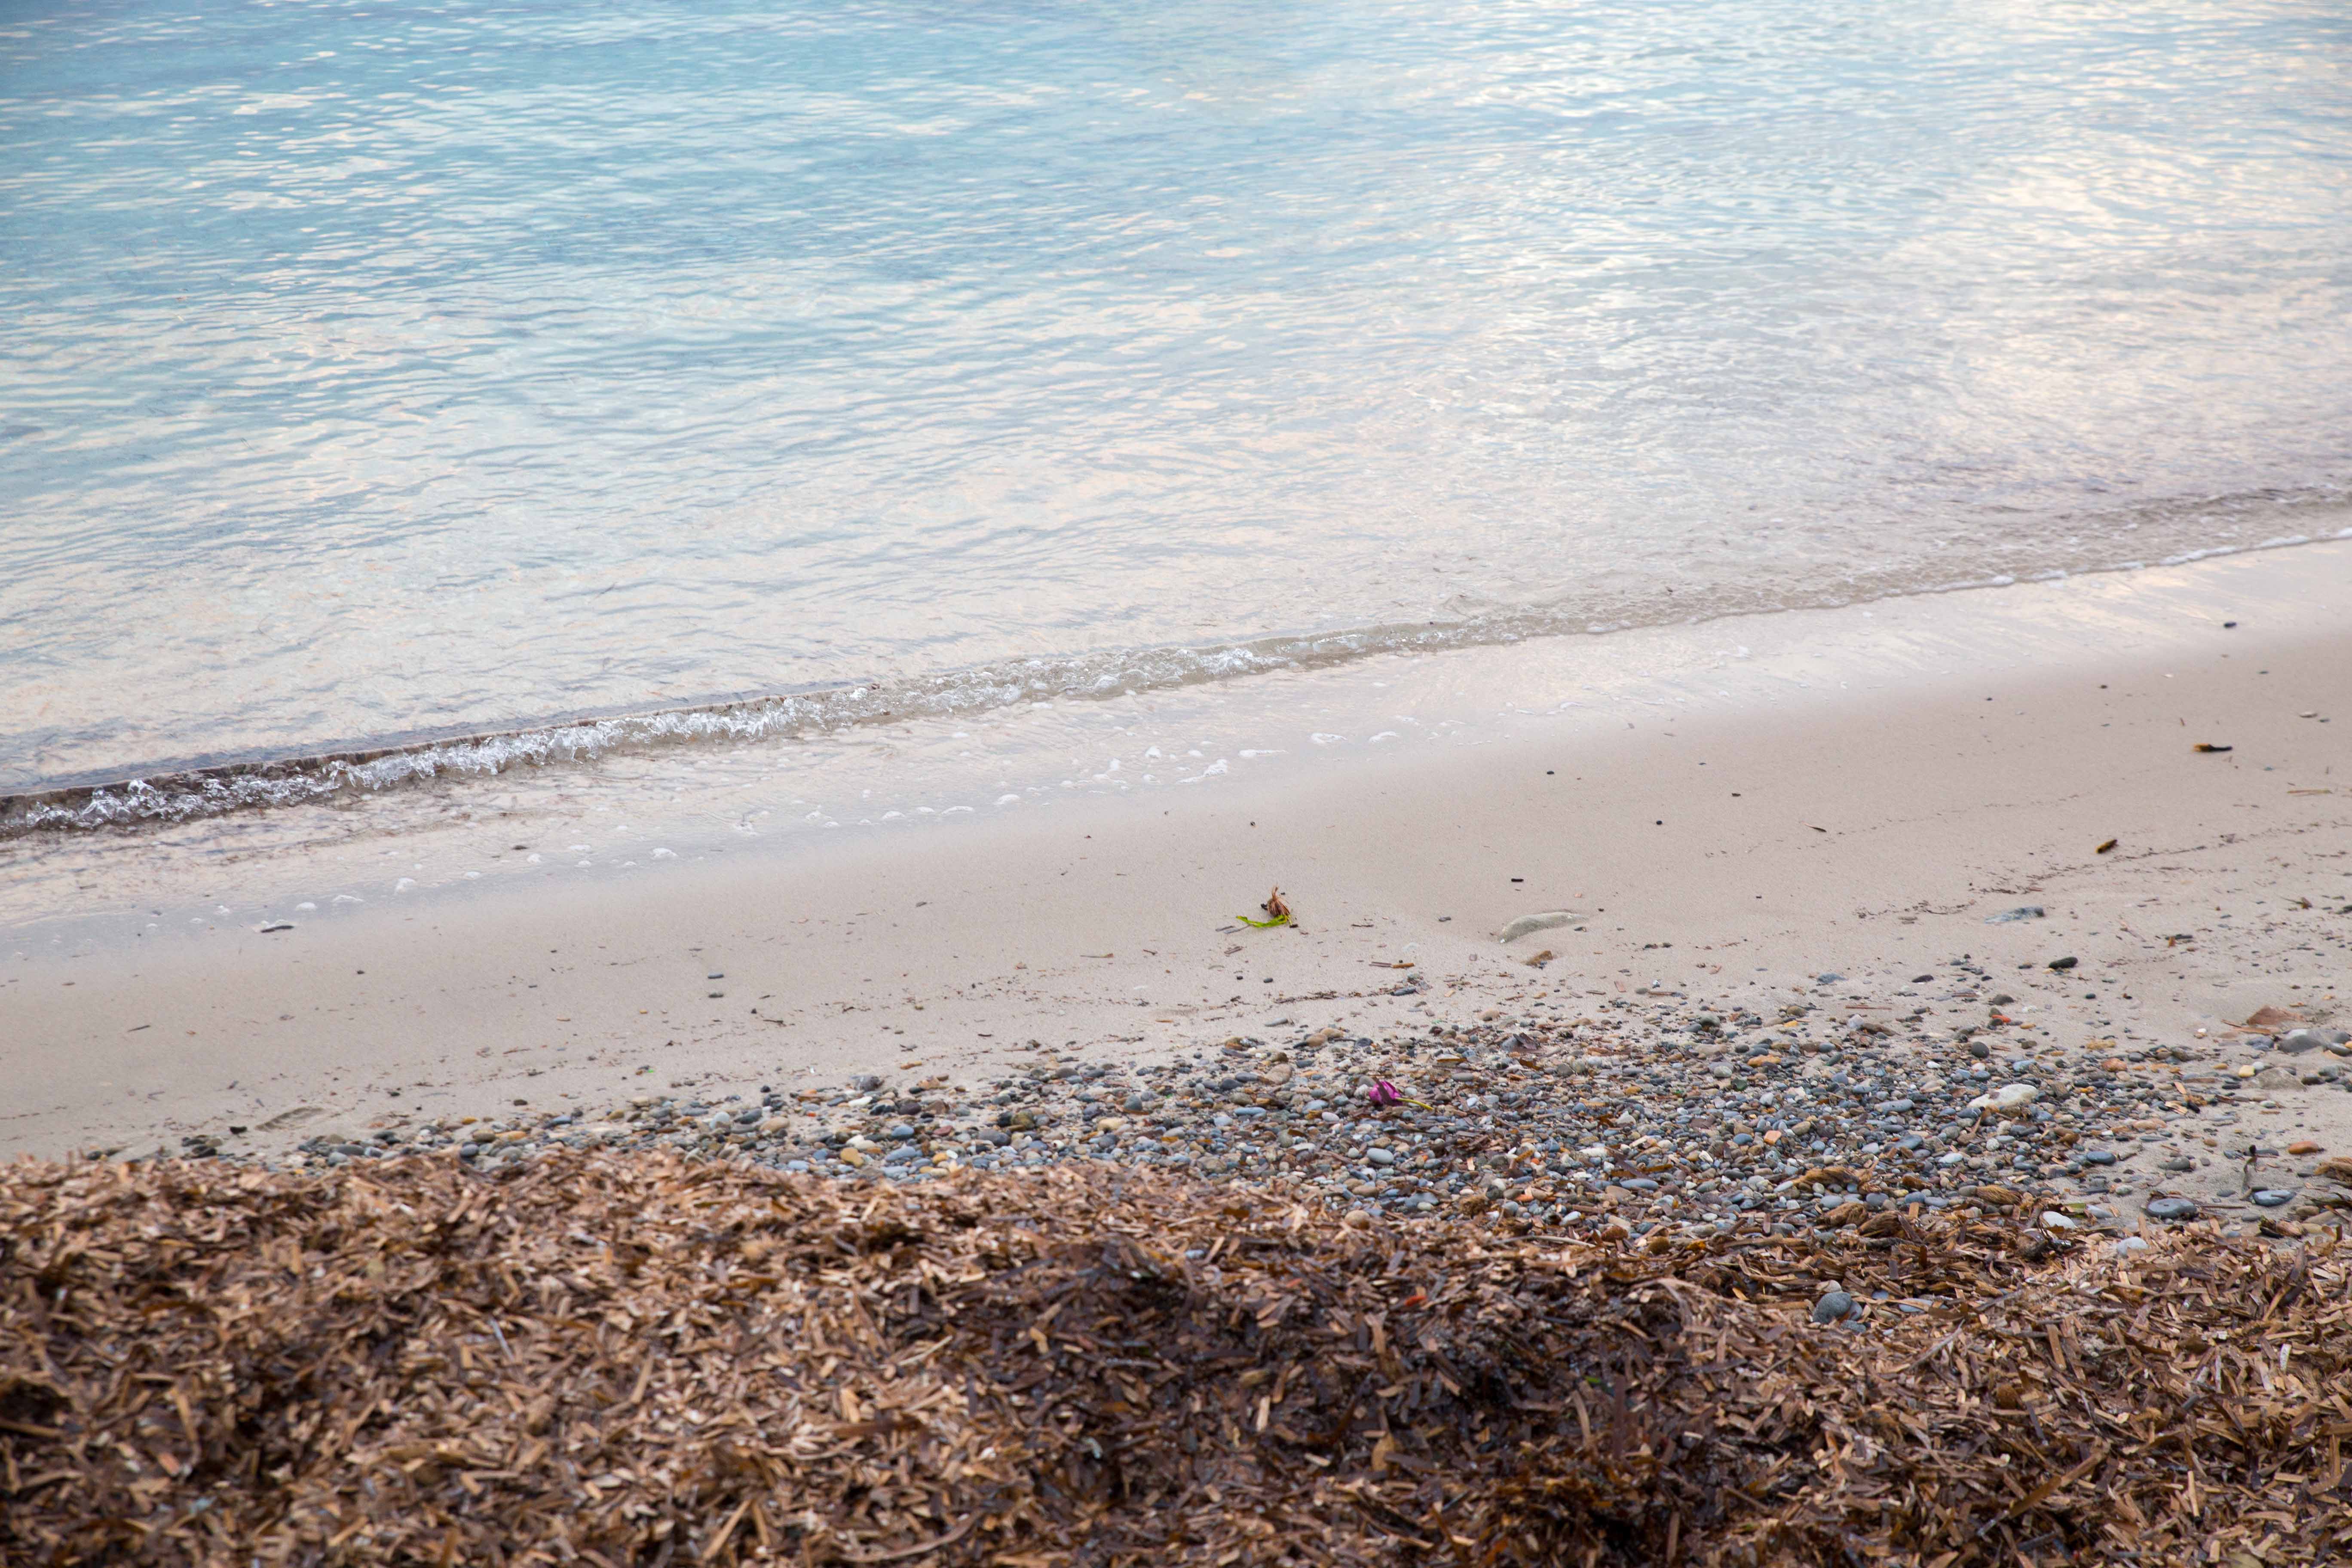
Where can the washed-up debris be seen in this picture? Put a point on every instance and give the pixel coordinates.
(2009, 1099)
(2105, 846)
(639, 1362)
(2210, 746)
(1527, 925)
(1277, 913)
(2022, 912)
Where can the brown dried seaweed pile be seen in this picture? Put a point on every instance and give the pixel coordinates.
(639, 1362)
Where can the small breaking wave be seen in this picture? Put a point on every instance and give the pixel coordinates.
(187, 792)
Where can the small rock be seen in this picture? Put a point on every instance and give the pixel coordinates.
(2300, 1146)
(1834, 1306)
(2063, 965)
(2171, 1209)
(1979, 1050)
(2097, 1156)
(2273, 1197)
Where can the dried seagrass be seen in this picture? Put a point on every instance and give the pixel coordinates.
(638, 1362)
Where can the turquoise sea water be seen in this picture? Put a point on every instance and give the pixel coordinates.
(375, 372)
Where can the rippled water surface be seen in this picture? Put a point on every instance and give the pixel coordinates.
(380, 370)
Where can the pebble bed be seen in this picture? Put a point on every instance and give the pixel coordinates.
(1574, 1114)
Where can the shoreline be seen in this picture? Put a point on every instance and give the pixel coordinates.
(196, 786)
(1800, 825)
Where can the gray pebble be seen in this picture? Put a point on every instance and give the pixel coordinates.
(2171, 1209)
(2271, 1197)
(1834, 1306)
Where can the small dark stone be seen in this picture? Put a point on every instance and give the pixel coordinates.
(1834, 1306)
(2171, 1209)
(1979, 1050)
(2063, 964)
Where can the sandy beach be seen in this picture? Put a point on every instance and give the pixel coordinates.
(1865, 822)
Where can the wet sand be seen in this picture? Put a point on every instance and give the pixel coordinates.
(1867, 826)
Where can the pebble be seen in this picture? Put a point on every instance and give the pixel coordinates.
(2273, 1197)
(1834, 1306)
(2171, 1209)
(1666, 1112)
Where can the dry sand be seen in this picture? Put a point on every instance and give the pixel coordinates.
(1925, 777)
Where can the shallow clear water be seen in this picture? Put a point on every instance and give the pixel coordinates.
(373, 372)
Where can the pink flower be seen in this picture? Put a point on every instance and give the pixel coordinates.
(1383, 1093)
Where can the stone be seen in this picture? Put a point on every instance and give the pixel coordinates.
(2271, 1079)
(2171, 1209)
(1835, 1306)
(2302, 1146)
(2273, 1197)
